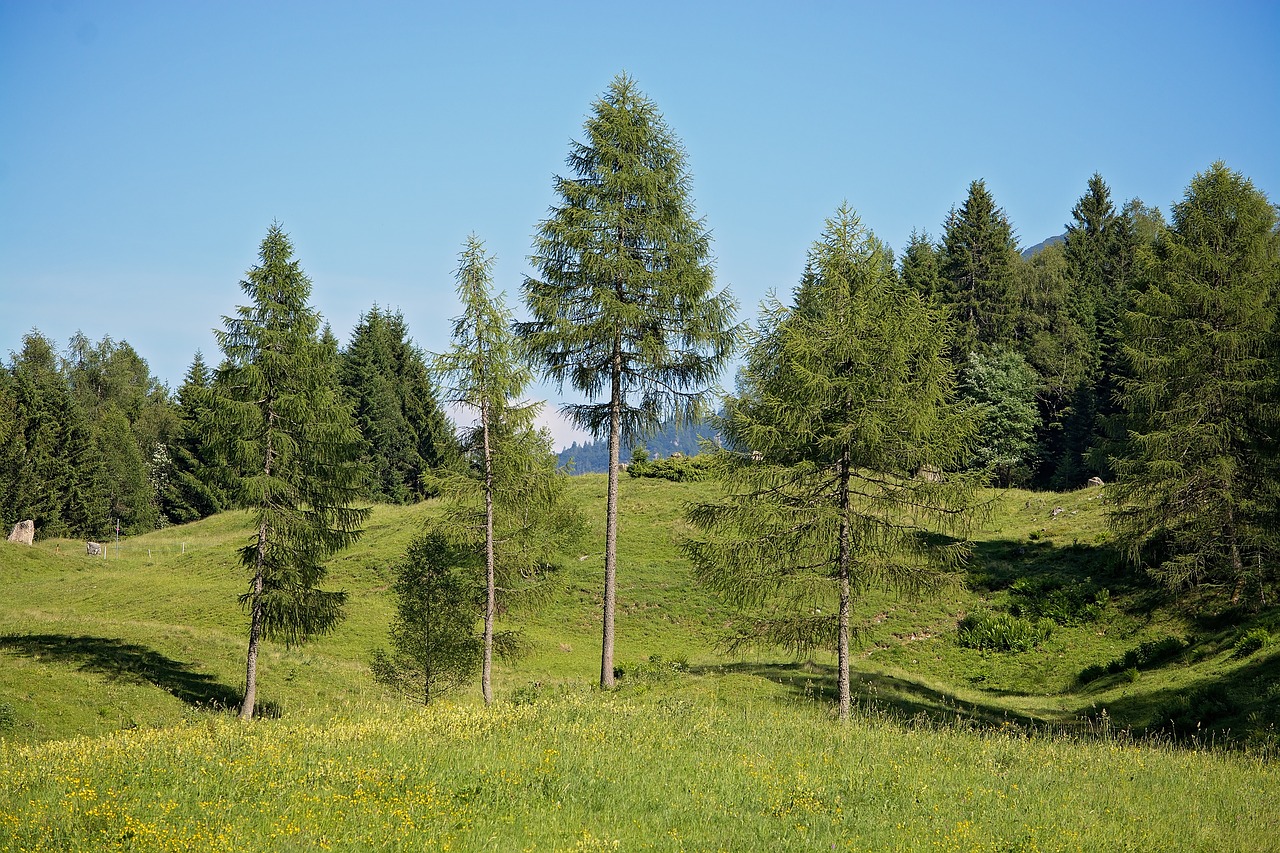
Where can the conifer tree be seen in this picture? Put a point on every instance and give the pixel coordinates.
(1195, 498)
(920, 266)
(50, 468)
(523, 519)
(289, 436)
(623, 307)
(397, 409)
(199, 482)
(846, 395)
(434, 647)
(1054, 332)
(977, 263)
(1099, 251)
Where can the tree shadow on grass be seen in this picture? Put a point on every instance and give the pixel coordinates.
(885, 695)
(122, 661)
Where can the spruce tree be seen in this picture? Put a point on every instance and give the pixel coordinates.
(199, 481)
(976, 264)
(289, 436)
(847, 395)
(1195, 498)
(623, 304)
(397, 408)
(50, 467)
(1054, 332)
(1099, 250)
(919, 266)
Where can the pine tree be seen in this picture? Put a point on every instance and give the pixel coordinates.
(976, 263)
(199, 482)
(406, 432)
(623, 308)
(523, 512)
(1196, 496)
(845, 397)
(920, 266)
(289, 436)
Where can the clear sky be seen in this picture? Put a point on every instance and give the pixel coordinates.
(145, 147)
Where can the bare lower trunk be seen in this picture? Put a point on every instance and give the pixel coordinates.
(611, 528)
(842, 641)
(486, 672)
(255, 640)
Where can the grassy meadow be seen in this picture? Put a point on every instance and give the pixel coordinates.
(1129, 727)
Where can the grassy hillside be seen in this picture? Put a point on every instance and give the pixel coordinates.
(953, 747)
(152, 632)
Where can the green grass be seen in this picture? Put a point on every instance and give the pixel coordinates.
(707, 764)
(137, 651)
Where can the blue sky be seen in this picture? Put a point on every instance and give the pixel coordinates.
(146, 147)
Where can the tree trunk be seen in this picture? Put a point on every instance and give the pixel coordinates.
(611, 521)
(486, 672)
(255, 633)
(845, 559)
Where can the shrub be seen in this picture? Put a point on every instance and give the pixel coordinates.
(1001, 632)
(1144, 656)
(680, 469)
(1250, 641)
(1065, 604)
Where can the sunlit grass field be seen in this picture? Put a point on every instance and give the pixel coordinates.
(700, 767)
(115, 675)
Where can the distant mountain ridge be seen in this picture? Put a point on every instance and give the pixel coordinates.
(1027, 254)
(592, 457)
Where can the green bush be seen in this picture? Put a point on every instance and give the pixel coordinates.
(1250, 641)
(677, 468)
(1066, 604)
(1001, 632)
(1144, 656)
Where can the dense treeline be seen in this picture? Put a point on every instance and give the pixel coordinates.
(90, 439)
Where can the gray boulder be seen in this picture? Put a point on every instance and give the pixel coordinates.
(24, 532)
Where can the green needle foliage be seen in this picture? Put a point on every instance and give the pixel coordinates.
(434, 647)
(845, 396)
(406, 432)
(977, 266)
(623, 307)
(517, 518)
(1196, 498)
(290, 437)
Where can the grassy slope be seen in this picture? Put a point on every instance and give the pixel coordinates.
(733, 754)
(153, 631)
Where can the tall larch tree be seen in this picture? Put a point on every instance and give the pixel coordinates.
(1195, 497)
(846, 398)
(484, 371)
(290, 437)
(977, 265)
(623, 304)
